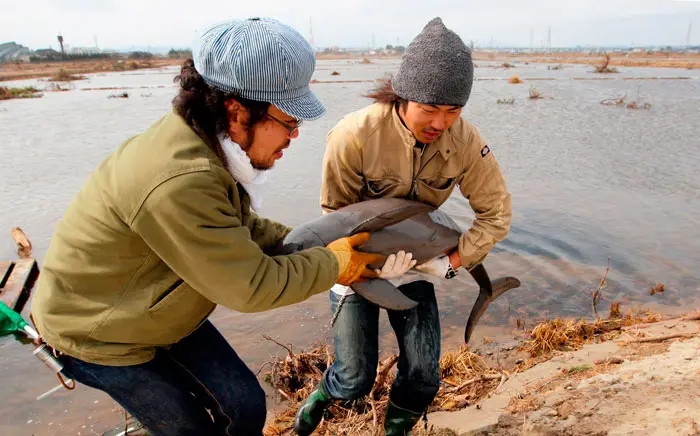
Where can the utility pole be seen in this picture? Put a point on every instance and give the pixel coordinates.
(60, 41)
(532, 39)
(311, 36)
(687, 36)
(373, 46)
(549, 39)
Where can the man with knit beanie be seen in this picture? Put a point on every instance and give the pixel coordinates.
(411, 143)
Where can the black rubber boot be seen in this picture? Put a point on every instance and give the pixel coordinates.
(310, 413)
(398, 421)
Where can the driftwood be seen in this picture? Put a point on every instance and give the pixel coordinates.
(610, 360)
(695, 316)
(660, 338)
(24, 246)
(474, 380)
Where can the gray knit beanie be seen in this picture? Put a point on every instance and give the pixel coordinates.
(436, 68)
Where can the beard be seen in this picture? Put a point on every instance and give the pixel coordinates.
(257, 163)
(260, 161)
(267, 162)
(261, 165)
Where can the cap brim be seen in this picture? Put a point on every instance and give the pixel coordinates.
(307, 107)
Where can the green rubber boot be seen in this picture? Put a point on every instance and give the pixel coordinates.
(310, 413)
(398, 421)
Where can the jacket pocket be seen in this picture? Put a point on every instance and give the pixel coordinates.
(177, 314)
(435, 190)
(382, 187)
(438, 182)
(165, 294)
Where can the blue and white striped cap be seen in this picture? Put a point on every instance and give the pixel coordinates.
(259, 59)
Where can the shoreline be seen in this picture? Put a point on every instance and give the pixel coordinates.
(560, 377)
(35, 70)
(649, 60)
(641, 382)
(58, 69)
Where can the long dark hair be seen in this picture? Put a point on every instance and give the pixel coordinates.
(202, 107)
(384, 93)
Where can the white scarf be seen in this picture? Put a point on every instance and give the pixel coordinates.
(252, 180)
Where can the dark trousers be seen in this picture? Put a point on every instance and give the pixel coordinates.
(198, 386)
(356, 336)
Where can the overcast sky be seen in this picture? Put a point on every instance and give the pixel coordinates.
(121, 24)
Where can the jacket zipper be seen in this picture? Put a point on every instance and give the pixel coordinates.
(415, 178)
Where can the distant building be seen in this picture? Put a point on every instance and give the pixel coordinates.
(13, 52)
(46, 54)
(84, 51)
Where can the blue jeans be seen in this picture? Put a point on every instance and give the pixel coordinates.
(175, 393)
(356, 336)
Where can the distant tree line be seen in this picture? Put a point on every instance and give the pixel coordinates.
(53, 55)
(178, 54)
(56, 56)
(396, 48)
(140, 55)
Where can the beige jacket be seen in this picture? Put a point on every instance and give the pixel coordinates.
(371, 154)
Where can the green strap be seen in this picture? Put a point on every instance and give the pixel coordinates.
(10, 321)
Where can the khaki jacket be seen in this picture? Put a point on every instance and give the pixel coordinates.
(157, 237)
(371, 154)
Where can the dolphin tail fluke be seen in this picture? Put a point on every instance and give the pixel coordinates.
(383, 294)
(488, 292)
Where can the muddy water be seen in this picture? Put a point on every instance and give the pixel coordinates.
(589, 183)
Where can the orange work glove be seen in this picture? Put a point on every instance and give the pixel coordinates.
(352, 264)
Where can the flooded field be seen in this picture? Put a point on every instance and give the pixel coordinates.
(590, 182)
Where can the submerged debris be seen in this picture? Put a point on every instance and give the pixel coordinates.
(122, 95)
(604, 68)
(515, 80)
(614, 310)
(637, 105)
(64, 76)
(535, 94)
(505, 101)
(615, 101)
(59, 87)
(11, 93)
(620, 101)
(658, 289)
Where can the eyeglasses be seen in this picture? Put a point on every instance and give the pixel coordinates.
(293, 130)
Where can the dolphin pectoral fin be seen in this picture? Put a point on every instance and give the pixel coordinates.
(383, 294)
(486, 296)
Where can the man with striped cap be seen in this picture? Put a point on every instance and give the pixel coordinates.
(163, 232)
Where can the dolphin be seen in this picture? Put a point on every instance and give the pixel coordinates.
(396, 224)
